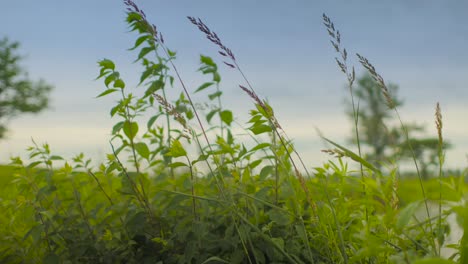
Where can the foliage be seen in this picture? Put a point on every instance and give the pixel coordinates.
(177, 188)
(18, 94)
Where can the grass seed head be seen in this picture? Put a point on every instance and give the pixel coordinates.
(371, 69)
(213, 37)
(438, 121)
(171, 110)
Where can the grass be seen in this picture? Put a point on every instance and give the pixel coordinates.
(155, 200)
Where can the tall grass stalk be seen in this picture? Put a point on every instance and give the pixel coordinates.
(440, 154)
(391, 105)
(351, 77)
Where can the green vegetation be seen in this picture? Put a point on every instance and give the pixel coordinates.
(181, 187)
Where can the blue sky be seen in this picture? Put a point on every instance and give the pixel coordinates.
(281, 45)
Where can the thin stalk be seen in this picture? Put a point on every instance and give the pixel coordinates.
(221, 123)
(350, 76)
(83, 213)
(244, 247)
(405, 131)
(105, 194)
(100, 186)
(276, 170)
(132, 146)
(168, 120)
(358, 141)
(337, 223)
(266, 238)
(440, 155)
(169, 138)
(46, 231)
(192, 180)
(141, 199)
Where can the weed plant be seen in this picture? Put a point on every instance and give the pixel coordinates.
(180, 187)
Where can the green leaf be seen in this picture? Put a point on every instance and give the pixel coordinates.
(200, 158)
(216, 77)
(301, 232)
(110, 78)
(278, 241)
(142, 149)
(103, 72)
(107, 64)
(115, 109)
(143, 52)
(279, 218)
(51, 258)
(207, 69)
(117, 127)
(176, 150)
(207, 60)
(406, 214)
(119, 83)
(177, 164)
(139, 41)
(35, 232)
(204, 86)
(34, 164)
(354, 156)
(215, 95)
(145, 75)
(242, 151)
(55, 157)
(265, 172)
(259, 129)
(155, 86)
(152, 120)
(106, 92)
(136, 222)
(255, 163)
(133, 16)
(226, 117)
(171, 53)
(130, 129)
(210, 115)
(434, 261)
(260, 146)
(215, 260)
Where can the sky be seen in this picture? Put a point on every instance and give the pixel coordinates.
(282, 46)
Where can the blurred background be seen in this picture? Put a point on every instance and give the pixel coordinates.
(282, 46)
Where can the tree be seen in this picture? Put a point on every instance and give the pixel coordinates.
(373, 116)
(381, 134)
(18, 94)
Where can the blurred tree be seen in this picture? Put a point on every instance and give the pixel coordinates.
(18, 94)
(381, 135)
(373, 116)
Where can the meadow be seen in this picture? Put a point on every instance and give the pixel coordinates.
(180, 187)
